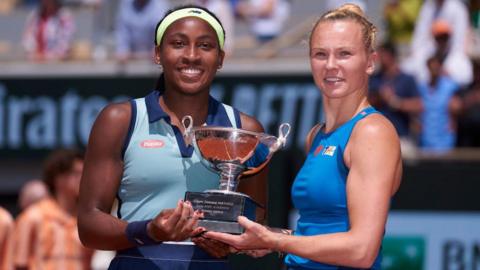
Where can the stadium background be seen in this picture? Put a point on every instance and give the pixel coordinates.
(435, 218)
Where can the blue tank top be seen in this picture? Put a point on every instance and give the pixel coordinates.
(319, 190)
(158, 166)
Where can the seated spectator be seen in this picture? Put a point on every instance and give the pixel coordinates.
(136, 22)
(31, 192)
(438, 133)
(395, 94)
(469, 112)
(48, 32)
(46, 233)
(266, 18)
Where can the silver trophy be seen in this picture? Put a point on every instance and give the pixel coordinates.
(231, 152)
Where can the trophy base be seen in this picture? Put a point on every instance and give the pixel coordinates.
(221, 209)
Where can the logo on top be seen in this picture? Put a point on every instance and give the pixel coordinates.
(196, 11)
(152, 144)
(329, 151)
(326, 151)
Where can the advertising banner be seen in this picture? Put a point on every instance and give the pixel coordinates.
(432, 240)
(42, 114)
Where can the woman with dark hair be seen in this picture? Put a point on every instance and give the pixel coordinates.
(137, 153)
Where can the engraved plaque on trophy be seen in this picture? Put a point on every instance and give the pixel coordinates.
(231, 152)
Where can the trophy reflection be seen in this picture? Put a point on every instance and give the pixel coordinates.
(231, 152)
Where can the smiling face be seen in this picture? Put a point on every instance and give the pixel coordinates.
(339, 60)
(190, 56)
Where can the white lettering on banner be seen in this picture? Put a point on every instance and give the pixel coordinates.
(45, 122)
(90, 109)
(17, 107)
(262, 104)
(245, 98)
(40, 131)
(69, 106)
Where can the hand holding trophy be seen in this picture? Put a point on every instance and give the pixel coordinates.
(229, 152)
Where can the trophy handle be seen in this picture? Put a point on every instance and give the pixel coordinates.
(283, 132)
(187, 134)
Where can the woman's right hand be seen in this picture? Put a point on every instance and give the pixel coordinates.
(175, 224)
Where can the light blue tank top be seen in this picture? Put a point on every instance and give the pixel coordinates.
(158, 166)
(319, 190)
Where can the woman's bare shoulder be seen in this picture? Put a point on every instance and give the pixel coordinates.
(375, 126)
(250, 123)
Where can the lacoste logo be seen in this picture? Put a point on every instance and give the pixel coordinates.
(152, 144)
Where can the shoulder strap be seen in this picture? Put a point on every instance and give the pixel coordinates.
(134, 104)
(231, 115)
(310, 136)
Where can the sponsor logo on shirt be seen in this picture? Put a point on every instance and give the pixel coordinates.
(152, 144)
(318, 150)
(329, 151)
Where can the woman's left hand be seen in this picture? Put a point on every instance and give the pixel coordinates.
(213, 247)
(255, 236)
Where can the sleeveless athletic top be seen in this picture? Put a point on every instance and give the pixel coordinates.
(158, 166)
(319, 190)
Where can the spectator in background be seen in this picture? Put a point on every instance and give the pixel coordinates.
(46, 234)
(395, 94)
(400, 17)
(452, 13)
(225, 12)
(469, 112)
(455, 62)
(438, 133)
(6, 240)
(31, 192)
(48, 32)
(266, 18)
(136, 22)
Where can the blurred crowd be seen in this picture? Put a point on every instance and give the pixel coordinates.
(427, 79)
(122, 29)
(44, 235)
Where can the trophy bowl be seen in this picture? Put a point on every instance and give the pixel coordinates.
(230, 152)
